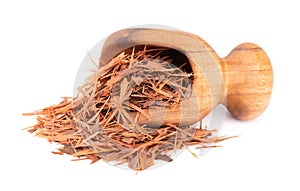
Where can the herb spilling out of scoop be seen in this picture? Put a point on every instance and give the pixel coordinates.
(101, 122)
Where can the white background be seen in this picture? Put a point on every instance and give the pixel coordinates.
(42, 44)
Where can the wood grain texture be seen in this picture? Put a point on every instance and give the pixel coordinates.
(242, 81)
(248, 80)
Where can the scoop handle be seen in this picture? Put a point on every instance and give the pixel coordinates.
(248, 79)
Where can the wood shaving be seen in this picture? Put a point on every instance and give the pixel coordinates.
(97, 124)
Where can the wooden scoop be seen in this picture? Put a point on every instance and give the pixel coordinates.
(242, 80)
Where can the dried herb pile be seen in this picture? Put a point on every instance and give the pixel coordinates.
(98, 123)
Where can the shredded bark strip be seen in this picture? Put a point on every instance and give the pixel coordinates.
(97, 123)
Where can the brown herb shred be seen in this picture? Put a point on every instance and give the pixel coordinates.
(97, 123)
